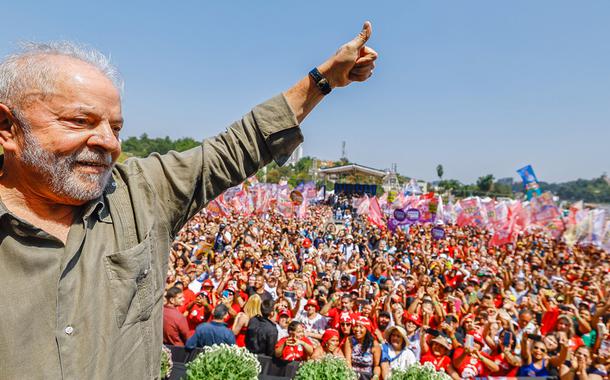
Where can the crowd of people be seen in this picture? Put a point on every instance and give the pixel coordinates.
(333, 284)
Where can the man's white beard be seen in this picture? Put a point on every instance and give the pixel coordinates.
(58, 171)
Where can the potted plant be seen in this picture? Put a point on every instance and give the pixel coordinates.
(223, 362)
(328, 367)
(419, 372)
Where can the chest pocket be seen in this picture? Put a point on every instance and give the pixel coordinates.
(131, 282)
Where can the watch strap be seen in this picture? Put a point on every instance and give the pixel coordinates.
(320, 80)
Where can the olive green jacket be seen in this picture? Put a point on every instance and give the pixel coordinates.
(92, 309)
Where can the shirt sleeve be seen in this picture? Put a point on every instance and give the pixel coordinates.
(181, 184)
(271, 337)
(191, 342)
(230, 337)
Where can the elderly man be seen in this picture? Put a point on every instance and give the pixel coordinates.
(87, 240)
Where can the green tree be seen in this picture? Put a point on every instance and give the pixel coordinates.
(450, 184)
(485, 183)
(143, 146)
(502, 189)
(439, 171)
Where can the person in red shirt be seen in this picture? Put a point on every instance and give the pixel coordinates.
(199, 311)
(335, 313)
(175, 326)
(437, 353)
(296, 346)
(504, 357)
(470, 361)
(345, 327)
(189, 300)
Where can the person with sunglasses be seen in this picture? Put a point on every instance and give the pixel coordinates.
(535, 358)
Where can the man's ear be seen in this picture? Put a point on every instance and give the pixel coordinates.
(7, 129)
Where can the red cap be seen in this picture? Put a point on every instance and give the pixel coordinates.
(346, 318)
(284, 312)
(364, 321)
(312, 302)
(306, 243)
(328, 334)
(413, 318)
(207, 282)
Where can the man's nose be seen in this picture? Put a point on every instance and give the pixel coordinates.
(104, 138)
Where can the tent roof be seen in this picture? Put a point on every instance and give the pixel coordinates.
(354, 168)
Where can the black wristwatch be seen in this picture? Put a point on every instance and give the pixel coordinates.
(320, 80)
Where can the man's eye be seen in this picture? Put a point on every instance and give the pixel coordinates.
(80, 121)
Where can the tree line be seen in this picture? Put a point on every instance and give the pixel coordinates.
(596, 190)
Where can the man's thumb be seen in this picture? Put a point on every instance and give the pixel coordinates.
(363, 36)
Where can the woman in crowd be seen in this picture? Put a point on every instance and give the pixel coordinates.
(329, 345)
(437, 354)
(581, 367)
(544, 287)
(252, 308)
(362, 352)
(395, 353)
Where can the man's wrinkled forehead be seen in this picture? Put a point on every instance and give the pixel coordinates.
(65, 76)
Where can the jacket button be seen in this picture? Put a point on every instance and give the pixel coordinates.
(69, 330)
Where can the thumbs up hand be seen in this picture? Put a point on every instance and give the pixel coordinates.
(353, 62)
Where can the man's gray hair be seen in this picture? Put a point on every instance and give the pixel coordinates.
(27, 69)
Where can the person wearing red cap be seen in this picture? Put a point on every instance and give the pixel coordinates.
(345, 328)
(329, 345)
(284, 317)
(314, 323)
(413, 331)
(362, 351)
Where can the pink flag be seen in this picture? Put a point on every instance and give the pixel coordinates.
(363, 207)
(375, 215)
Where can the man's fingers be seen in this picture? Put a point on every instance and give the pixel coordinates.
(366, 55)
(360, 77)
(362, 69)
(363, 36)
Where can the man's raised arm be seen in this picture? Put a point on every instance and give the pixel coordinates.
(185, 182)
(353, 62)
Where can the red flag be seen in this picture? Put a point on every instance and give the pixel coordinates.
(375, 215)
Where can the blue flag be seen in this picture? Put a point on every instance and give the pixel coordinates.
(530, 182)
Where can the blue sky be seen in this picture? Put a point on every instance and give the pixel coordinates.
(478, 86)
